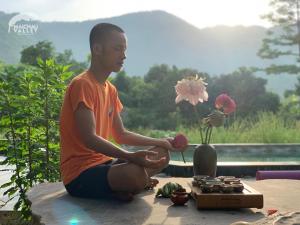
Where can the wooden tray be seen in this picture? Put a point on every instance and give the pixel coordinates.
(249, 198)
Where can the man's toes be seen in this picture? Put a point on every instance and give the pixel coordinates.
(151, 183)
(123, 196)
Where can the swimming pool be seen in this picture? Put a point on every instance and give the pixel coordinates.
(248, 153)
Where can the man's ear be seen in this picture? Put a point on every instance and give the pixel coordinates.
(97, 49)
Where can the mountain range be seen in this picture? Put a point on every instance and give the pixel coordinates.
(156, 37)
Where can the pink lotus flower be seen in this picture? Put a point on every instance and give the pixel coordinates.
(191, 89)
(179, 141)
(225, 102)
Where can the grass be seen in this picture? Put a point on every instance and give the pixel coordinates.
(2, 135)
(265, 128)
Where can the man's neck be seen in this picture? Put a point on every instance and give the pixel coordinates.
(98, 72)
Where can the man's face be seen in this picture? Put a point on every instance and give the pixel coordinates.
(113, 52)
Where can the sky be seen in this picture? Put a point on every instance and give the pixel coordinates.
(200, 13)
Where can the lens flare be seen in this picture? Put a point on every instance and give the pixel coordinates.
(74, 222)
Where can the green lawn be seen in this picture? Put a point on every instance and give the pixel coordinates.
(267, 128)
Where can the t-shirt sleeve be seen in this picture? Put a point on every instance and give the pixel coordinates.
(118, 104)
(81, 91)
(118, 108)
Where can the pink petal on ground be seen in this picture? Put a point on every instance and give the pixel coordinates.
(272, 211)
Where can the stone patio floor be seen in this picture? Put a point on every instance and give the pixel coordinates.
(56, 207)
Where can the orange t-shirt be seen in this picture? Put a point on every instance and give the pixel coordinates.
(103, 100)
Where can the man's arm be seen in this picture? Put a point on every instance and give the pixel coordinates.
(123, 136)
(85, 123)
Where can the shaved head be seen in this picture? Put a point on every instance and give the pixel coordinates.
(101, 32)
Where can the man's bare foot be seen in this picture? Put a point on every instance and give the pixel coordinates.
(151, 183)
(123, 196)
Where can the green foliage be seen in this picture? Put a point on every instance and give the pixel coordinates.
(122, 82)
(32, 131)
(43, 50)
(66, 58)
(297, 87)
(30, 101)
(284, 39)
(290, 109)
(248, 91)
(266, 127)
(151, 102)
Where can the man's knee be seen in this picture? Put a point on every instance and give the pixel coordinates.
(127, 178)
(137, 178)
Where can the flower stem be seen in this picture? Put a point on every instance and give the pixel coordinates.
(201, 134)
(183, 157)
(206, 135)
(209, 136)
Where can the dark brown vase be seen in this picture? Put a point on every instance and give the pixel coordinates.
(205, 160)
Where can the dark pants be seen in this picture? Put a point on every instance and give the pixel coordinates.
(93, 182)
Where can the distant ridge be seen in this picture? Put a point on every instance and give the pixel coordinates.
(155, 37)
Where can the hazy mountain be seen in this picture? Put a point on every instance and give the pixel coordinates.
(155, 37)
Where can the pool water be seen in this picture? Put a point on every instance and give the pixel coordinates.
(248, 153)
(241, 157)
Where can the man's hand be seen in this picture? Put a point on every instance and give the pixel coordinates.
(165, 143)
(179, 143)
(141, 158)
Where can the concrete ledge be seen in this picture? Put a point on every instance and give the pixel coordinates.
(238, 169)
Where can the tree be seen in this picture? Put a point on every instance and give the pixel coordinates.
(157, 73)
(43, 50)
(150, 101)
(32, 144)
(122, 82)
(66, 58)
(291, 104)
(248, 91)
(284, 39)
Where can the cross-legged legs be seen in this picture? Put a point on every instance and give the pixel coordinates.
(131, 178)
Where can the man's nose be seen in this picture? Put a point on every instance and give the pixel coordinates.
(124, 56)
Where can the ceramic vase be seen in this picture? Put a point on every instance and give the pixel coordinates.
(205, 160)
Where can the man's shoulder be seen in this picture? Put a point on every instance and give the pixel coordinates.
(81, 78)
(111, 86)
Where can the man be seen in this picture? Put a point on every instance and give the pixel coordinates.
(90, 115)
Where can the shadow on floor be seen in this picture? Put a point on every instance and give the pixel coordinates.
(62, 209)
